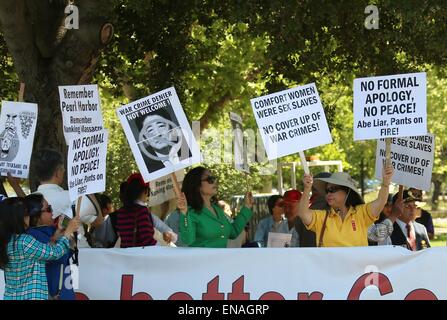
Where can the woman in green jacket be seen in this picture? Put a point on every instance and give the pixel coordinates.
(203, 223)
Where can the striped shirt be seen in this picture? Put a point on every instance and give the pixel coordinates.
(25, 277)
(144, 226)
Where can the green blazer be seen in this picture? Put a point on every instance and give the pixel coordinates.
(204, 229)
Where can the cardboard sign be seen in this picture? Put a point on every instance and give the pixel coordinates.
(162, 189)
(290, 121)
(17, 128)
(412, 159)
(86, 164)
(159, 134)
(239, 143)
(81, 110)
(390, 106)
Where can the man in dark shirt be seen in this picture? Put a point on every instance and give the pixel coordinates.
(424, 217)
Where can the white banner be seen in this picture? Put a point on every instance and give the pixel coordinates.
(86, 164)
(390, 106)
(291, 120)
(239, 144)
(412, 160)
(162, 189)
(159, 134)
(384, 273)
(81, 110)
(17, 128)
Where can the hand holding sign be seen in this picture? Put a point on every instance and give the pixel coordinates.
(73, 226)
(182, 204)
(308, 181)
(387, 174)
(249, 201)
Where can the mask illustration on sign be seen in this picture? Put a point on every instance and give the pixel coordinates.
(160, 139)
(26, 122)
(9, 140)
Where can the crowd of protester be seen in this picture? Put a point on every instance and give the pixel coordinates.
(40, 233)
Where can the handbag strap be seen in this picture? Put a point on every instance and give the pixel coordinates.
(320, 242)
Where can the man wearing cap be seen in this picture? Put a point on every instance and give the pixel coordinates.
(346, 222)
(50, 171)
(407, 232)
(423, 216)
(291, 202)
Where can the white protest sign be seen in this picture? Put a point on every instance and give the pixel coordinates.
(81, 110)
(86, 164)
(162, 189)
(240, 144)
(159, 134)
(390, 106)
(17, 128)
(291, 120)
(412, 159)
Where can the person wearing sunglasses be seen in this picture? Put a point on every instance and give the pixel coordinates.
(203, 223)
(345, 223)
(42, 228)
(276, 222)
(23, 257)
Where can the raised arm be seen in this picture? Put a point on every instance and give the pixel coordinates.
(304, 212)
(378, 204)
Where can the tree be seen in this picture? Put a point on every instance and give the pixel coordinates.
(46, 54)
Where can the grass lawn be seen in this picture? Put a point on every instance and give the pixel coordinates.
(439, 241)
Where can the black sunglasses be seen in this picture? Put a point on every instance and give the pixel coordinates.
(334, 189)
(49, 209)
(210, 179)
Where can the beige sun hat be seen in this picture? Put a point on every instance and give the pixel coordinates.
(340, 179)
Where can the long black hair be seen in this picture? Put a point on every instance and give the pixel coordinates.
(191, 187)
(11, 223)
(34, 205)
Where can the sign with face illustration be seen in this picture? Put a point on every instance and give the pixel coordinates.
(17, 127)
(159, 134)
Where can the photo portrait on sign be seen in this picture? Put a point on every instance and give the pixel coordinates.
(160, 138)
(17, 126)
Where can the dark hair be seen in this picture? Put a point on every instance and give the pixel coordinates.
(34, 205)
(191, 187)
(134, 189)
(353, 198)
(11, 223)
(46, 162)
(272, 201)
(103, 200)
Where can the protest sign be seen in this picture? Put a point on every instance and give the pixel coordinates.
(390, 106)
(412, 159)
(239, 143)
(17, 128)
(159, 134)
(86, 161)
(162, 189)
(291, 120)
(81, 110)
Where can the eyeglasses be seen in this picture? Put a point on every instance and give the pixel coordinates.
(210, 179)
(333, 189)
(48, 209)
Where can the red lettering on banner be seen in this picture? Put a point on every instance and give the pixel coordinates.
(180, 296)
(421, 294)
(381, 282)
(310, 296)
(212, 290)
(126, 290)
(238, 290)
(80, 296)
(271, 295)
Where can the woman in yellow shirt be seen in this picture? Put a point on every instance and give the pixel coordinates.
(346, 223)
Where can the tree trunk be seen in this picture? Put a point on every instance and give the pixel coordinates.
(47, 55)
(436, 194)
